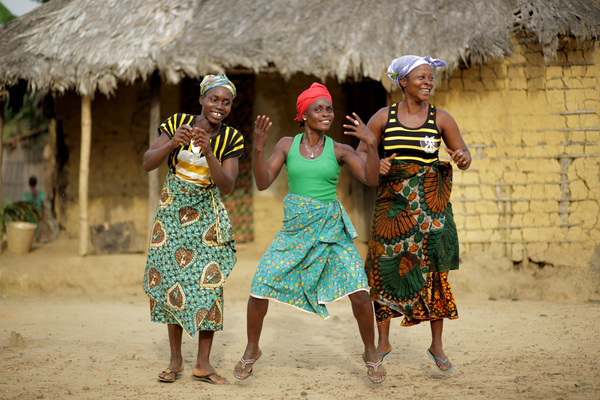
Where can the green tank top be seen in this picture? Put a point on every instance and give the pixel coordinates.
(316, 178)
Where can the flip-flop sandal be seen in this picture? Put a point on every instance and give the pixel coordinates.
(206, 378)
(168, 372)
(245, 362)
(436, 359)
(384, 355)
(374, 365)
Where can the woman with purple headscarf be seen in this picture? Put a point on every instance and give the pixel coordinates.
(413, 241)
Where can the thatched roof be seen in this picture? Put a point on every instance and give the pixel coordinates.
(90, 45)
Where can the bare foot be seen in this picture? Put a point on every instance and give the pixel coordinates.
(211, 377)
(441, 361)
(243, 369)
(169, 374)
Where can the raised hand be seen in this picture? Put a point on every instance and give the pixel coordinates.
(358, 129)
(385, 164)
(262, 125)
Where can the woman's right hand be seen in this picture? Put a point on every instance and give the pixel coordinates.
(385, 164)
(182, 135)
(261, 131)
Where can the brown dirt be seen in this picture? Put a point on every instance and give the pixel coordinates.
(73, 327)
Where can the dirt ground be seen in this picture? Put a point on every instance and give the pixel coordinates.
(79, 328)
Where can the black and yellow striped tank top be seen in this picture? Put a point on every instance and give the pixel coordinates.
(416, 145)
(187, 162)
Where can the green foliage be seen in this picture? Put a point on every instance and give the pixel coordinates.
(5, 15)
(18, 211)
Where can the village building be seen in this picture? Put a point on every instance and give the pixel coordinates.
(522, 82)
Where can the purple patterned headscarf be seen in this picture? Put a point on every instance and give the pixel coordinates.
(401, 66)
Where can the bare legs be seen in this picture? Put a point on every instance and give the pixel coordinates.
(202, 367)
(362, 309)
(436, 348)
(255, 315)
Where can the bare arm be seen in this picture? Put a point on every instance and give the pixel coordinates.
(375, 125)
(162, 147)
(367, 169)
(457, 149)
(265, 172)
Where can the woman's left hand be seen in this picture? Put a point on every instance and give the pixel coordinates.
(462, 158)
(202, 139)
(358, 129)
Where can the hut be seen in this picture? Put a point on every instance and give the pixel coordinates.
(522, 82)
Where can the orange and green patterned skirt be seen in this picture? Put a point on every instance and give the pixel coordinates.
(413, 244)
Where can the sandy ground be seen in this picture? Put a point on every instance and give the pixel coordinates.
(67, 331)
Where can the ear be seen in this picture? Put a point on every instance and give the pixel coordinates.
(201, 99)
(402, 82)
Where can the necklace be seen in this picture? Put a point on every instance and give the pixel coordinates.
(312, 152)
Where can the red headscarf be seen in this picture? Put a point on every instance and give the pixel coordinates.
(316, 91)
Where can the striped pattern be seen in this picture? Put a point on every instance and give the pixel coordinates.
(418, 145)
(188, 162)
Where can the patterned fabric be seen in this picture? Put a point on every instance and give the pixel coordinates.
(312, 260)
(191, 254)
(413, 238)
(418, 145)
(401, 66)
(436, 303)
(188, 162)
(212, 81)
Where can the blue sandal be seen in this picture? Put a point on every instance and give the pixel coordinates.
(436, 359)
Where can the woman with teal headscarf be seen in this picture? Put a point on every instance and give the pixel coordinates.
(191, 250)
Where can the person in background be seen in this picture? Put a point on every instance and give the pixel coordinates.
(34, 195)
(413, 241)
(312, 260)
(192, 246)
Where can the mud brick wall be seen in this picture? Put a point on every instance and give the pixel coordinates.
(532, 125)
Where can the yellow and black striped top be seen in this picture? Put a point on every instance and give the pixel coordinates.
(187, 161)
(417, 145)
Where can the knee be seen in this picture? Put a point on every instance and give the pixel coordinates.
(361, 298)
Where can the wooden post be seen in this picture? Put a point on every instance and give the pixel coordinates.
(152, 136)
(1, 148)
(84, 172)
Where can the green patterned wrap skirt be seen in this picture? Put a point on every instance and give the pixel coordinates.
(312, 260)
(191, 254)
(413, 244)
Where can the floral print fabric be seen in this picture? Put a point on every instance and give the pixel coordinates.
(312, 260)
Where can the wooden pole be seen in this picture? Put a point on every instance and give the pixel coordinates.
(84, 172)
(152, 136)
(1, 148)
(1, 169)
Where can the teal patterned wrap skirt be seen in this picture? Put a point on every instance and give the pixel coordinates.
(191, 254)
(312, 260)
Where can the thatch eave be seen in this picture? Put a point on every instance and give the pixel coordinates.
(90, 45)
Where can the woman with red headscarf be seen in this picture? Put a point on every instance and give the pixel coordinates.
(312, 260)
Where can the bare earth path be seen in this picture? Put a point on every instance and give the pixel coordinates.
(68, 332)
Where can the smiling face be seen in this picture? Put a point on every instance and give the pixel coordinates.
(419, 82)
(216, 104)
(319, 115)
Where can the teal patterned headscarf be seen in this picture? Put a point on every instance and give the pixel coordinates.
(211, 81)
